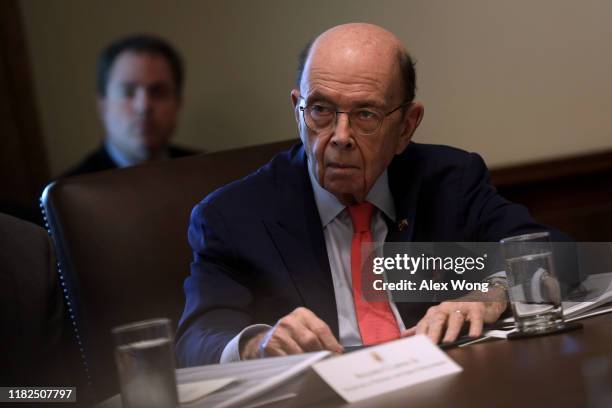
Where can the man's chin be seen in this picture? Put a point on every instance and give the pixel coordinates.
(346, 194)
(152, 141)
(154, 147)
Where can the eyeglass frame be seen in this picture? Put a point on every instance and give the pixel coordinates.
(336, 112)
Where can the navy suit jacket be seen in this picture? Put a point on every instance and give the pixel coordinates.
(259, 249)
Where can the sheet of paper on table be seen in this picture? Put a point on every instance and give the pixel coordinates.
(258, 382)
(191, 392)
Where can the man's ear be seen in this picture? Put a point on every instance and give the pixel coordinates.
(412, 120)
(295, 100)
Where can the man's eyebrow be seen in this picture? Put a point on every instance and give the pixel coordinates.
(160, 84)
(317, 97)
(154, 84)
(372, 103)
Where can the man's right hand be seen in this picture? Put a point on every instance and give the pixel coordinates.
(300, 331)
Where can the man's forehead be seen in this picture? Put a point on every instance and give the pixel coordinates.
(140, 66)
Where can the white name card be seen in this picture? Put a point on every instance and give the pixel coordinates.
(388, 367)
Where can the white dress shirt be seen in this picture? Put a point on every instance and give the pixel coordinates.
(338, 233)
(121, 159)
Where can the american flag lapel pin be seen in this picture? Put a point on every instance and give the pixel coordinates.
(402, 224)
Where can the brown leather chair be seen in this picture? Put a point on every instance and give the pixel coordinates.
(121, 239)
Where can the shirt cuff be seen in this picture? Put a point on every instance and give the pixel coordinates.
(231, 352)
(499, 274)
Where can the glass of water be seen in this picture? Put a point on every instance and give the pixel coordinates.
(145, 363)
(533, 288)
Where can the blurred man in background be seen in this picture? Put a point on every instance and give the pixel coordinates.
(139, 87)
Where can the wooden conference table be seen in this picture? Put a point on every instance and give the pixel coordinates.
(572, 369)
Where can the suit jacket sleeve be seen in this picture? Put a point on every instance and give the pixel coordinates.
(490, 218)
(213, 314)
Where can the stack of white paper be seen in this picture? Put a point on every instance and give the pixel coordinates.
(253, 379)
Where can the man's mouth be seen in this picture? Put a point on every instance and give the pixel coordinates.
(336, 165)
(143, 127)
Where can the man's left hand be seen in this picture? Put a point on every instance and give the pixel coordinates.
(444, 321)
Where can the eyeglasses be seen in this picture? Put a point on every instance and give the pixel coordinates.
(366, 121)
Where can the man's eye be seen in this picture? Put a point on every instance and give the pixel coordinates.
(160, 92)
(365, 115)
(128, 91)
(321, 110)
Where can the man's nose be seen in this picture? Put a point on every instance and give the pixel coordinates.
(142, 101)
(343, 134)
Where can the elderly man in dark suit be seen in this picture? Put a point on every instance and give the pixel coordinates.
(274, 261)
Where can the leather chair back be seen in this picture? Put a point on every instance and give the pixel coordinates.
(121, 239)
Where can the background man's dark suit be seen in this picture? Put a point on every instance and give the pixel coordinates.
(99, 160)
(259, 249)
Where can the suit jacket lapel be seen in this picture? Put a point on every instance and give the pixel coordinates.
(298, 236)
(405, 184)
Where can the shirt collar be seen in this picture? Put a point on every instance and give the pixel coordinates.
(121, 159)
(329, 207)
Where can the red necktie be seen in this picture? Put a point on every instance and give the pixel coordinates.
(376, 320)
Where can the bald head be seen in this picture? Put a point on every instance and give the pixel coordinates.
(354, 107)
(367, 42)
